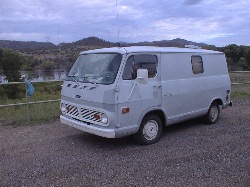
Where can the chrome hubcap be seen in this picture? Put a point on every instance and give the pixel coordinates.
(214, 113)
(150, 130)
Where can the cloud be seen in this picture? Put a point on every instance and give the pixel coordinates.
(191, 2)
(215, 21)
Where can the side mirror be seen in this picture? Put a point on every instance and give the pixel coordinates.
(142, 76)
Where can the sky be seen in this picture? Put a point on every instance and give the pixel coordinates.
(214, 22)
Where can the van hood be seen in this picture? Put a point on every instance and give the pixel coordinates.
(79, 92)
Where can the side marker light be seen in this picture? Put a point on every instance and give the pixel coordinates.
(125, 110)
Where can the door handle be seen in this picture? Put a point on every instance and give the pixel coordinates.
(168, 94)
(159, 86)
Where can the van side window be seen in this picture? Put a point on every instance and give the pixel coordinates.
(197, 64)
(142, 61)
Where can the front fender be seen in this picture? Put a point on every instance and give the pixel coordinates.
(152, 110)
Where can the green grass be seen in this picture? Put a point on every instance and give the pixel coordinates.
(241, 91)
(43, 112)
(240, 77)
(240, 95)
(43, 91)
(37, 113)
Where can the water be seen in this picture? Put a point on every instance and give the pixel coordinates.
(40, 75)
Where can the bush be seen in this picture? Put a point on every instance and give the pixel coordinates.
(48, 65)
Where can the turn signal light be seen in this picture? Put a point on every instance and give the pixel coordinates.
(125, 110)
(96, 116)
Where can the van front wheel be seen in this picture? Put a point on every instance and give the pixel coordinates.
(150, 130)
(213, 113)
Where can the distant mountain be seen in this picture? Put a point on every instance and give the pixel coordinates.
(92, 43)
(65, 54)
(19, 45)
(178, 42)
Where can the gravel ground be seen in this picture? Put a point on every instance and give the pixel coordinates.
(188, 154)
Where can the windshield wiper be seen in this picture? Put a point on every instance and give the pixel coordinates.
(73, 77)
(88, 79)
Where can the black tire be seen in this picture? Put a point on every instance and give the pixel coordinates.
(213, 114)
(150, 130)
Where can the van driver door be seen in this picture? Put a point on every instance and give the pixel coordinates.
(139, 96)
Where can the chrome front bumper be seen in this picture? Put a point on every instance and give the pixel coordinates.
(107, 133)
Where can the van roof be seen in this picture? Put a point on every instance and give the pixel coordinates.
(148, 49)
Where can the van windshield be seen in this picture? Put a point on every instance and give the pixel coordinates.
(97, 68)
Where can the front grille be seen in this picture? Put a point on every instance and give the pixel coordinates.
(89, 115)
(72, 110)
(83, 114)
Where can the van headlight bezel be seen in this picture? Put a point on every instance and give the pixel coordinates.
(104, 118)
(63, 108)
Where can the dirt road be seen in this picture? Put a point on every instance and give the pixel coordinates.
(188, 154)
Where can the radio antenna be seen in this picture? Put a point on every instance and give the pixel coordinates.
(118, 29)
(58, 35)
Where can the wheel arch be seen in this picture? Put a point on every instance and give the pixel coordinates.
(212, 117)
(156, 111)
(217, 100)
(150, 128)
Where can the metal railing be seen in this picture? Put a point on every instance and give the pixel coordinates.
(27, 100)
(237, 78)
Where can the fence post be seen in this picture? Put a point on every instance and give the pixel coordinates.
(238, 75)
(27, 104)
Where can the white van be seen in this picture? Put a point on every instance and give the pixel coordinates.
(116, 92)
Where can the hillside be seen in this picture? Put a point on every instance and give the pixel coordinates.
(178, 42)
(38, 54)
(91, 42)
(22, 46)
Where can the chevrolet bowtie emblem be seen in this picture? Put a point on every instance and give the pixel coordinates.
(78, 96)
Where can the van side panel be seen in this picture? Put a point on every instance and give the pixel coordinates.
(187, 95)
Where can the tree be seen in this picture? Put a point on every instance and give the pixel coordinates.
(231, 65)
(1, 53)
(10, 63)
(1, 57)
(247, 57)
(71, 60)
(29, 64)
(242, 63)
(48, 65)
(211, 47)
(235, 53)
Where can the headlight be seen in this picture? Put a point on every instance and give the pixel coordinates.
(104, 118)
(63, 107)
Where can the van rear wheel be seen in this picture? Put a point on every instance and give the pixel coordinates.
(150, 130)
(213, 113)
